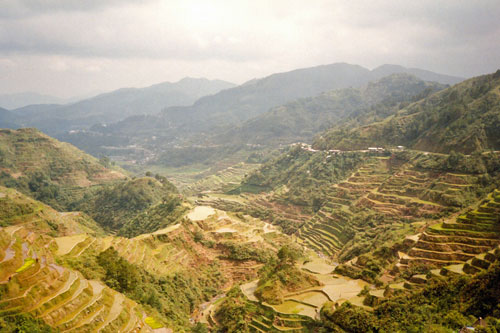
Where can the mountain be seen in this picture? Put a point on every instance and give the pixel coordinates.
(302, 119)
(178, 128)
(423, 74)
(463, 118)
(8, 119)
(119, 104)
(14, 101)
(19, 209)
(52, 171)
(258, 96)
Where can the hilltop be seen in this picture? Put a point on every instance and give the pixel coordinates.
(17, 209)
(37, 164)
(257, 96)
(303, 119)
(117, 105)
(134, 206)
(464, 118)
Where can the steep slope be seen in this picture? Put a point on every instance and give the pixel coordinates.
(302, 119)
(464, 118)
(117, 105)
(17, 209)
(36, 163)
(347, 203)
(134, 206)
(89, 283)
(28, 151)
(33, 283)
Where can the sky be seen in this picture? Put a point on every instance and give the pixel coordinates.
(75, 47)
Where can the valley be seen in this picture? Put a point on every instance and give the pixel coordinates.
(365, 227)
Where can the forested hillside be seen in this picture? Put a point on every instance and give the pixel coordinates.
(464, 118)
(48, 169)
(303, 119)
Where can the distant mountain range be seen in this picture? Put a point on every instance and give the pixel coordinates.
(17, 100)
(116, 105)
(8, 119)
(234, 106)
(195, 111)
(258, 96)
(302, 119)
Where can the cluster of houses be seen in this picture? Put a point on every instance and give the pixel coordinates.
(307, 147)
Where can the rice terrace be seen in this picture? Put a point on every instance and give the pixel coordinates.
(249, 166)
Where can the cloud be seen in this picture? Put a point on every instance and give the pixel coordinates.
(23, 8)
(239, 40)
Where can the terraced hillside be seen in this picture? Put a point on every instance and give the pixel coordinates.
(373, 204)
(17, 209)
(206, 254)
(32, 282)
(456, 243)
(222, 181)
(49, 170)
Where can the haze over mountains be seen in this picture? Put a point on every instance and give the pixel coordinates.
(116, 105)
(18, 100)
(463, 118)
(181, 124)
(257, 96)
(304, 118)
(342, 185)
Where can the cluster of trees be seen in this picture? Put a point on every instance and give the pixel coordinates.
(444, 304)
(24, 323)
(281, 275)
(244, 252)
(159, 294)
(134, 206)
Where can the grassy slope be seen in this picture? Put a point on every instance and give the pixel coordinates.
(17, 209)
(51, 171)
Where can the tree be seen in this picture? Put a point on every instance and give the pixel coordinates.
(289, 254)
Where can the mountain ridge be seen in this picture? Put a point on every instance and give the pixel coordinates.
(464, 118)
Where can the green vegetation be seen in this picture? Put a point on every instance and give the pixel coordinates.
(282, 276)
(24, 323)
(158, 293)
(17, 208)
(28, 262)
(152, 323)
(464, 118)
(443, 305)
(134, 207)
(49, 179)
(420, 228)
(304, 174)
(243, 252)
(303, 119)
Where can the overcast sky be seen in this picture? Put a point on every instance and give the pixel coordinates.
(72, 47)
